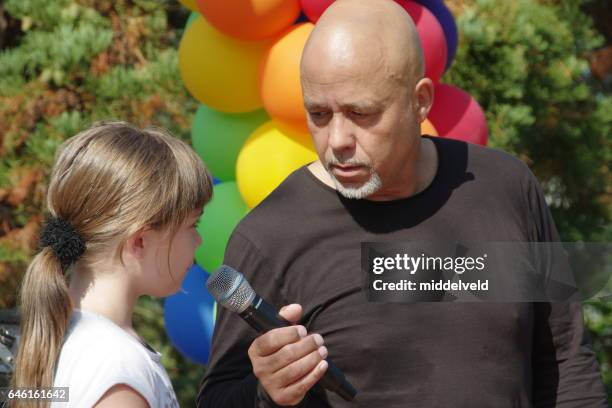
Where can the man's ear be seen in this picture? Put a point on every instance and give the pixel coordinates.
(424, 98)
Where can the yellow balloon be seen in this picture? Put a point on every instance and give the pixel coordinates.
(268, 156)
(220, 71)
(428, 129)
(190, 4)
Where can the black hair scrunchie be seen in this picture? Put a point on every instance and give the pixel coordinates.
(66, 243)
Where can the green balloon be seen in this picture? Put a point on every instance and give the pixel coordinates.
(220, 218)
(191, 18)
(217, 137)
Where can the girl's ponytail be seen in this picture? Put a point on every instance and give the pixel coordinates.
(45, 305)
(45, 314)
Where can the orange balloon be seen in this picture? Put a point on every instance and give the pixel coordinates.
(280, 87)
(427, 128)
(250, 19)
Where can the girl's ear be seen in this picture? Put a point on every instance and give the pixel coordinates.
(139, 242)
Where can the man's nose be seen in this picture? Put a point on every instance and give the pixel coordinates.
(341, 137)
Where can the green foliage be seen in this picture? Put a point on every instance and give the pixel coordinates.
(525, 62)
(598, 318)
(60, 38)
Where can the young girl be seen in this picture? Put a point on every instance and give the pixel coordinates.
(123, 204)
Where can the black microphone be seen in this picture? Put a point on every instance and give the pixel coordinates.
(231, 290)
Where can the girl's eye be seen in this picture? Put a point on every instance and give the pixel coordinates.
(196, 224)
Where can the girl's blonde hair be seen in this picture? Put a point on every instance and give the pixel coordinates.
(107, 182)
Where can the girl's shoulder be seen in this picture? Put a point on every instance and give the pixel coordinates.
(94, 329)
(98, 354)
(94, 338)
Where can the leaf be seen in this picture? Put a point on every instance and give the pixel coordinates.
(17, 194)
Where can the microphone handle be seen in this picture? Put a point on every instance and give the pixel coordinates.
(261, 316)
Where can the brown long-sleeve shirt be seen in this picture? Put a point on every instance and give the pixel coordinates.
(302, 245)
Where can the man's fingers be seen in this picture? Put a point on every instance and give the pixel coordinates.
(300, 368)
(274, 340)
(286, 361)
(292, 313)
(293, 352)
(296, 392)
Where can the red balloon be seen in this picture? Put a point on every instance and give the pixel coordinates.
(456, 115)
(314, 8)
(432, 38)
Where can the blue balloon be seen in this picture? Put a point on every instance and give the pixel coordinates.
(189, 316)
(447, 21)
(216, 181)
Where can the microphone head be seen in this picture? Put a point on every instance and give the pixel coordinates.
(231, 289)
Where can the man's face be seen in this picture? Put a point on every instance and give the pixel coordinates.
(361, 120)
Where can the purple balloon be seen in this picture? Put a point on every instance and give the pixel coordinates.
(447, 21)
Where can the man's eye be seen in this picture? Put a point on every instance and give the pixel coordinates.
(356, 113)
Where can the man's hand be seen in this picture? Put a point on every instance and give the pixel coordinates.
(286, 361)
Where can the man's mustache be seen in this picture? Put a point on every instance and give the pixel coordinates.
(333, 161)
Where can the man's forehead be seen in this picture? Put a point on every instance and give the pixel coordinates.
(326, 74)
(363, 100)
(327, 63)
(362, 91)
(355, 96)
(337, 78)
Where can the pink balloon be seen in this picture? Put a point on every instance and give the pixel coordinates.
(314, 8)
(456, 115)
(432, 38)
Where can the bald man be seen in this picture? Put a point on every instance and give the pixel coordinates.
(377, 179)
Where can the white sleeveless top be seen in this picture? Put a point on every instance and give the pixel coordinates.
(97, 354)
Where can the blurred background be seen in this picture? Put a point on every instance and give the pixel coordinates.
(541, 71)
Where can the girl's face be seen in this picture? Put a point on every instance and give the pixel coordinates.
(165, 271)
